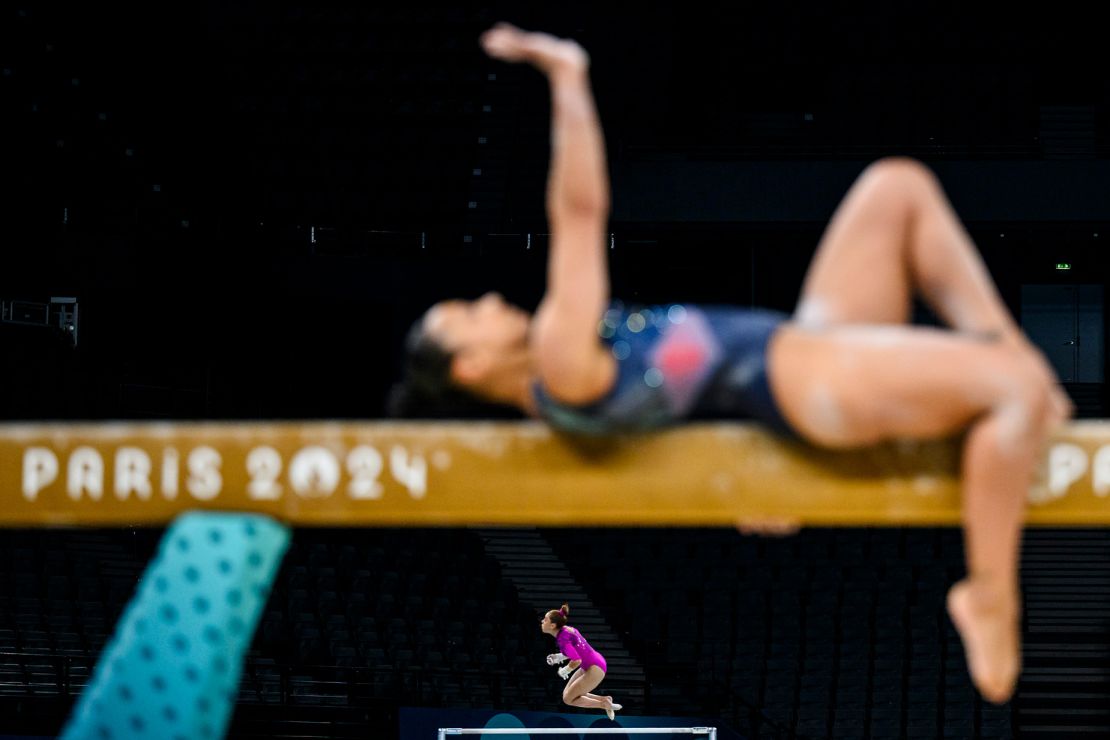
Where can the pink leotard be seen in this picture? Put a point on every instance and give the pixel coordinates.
(572, 644)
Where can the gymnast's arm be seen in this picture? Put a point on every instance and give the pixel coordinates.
(572, 363)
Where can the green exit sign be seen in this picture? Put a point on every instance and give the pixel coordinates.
(1063, 265)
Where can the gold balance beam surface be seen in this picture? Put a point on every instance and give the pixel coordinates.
(517, 473)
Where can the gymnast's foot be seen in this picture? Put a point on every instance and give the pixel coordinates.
(544, 51)
(987, 620)
(611, 708)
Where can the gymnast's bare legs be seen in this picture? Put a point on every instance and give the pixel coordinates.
(850, 372)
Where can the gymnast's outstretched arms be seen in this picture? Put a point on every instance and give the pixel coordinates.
(570, 360)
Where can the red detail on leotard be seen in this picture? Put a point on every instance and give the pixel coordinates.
(679, 358)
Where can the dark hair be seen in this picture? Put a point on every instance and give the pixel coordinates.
(559, 616)
(426, 390)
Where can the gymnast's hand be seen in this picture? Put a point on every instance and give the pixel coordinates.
(556, 659)
(768, 526)
(549, 53)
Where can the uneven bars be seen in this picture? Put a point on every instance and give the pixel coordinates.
(710, 732)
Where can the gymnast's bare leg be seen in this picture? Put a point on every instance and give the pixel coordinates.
(577, 691)
(870, 377)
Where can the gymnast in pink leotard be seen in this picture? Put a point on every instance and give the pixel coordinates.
(587, 664)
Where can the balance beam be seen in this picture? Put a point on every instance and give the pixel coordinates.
(515, 473)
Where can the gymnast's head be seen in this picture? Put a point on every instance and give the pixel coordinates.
(464, 359)
(555, 620)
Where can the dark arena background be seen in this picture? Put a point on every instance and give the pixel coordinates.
(234, 211)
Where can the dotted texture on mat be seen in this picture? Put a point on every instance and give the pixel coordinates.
(171, 669)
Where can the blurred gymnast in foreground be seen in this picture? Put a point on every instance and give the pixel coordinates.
(845, 370)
